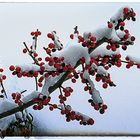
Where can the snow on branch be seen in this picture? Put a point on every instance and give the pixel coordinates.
(63, 61)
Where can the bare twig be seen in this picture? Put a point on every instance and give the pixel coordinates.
(36, 84)
(3, 89)
(35, 61)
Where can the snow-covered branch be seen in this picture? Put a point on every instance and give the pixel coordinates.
(63, 61)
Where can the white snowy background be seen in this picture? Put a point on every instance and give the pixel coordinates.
(16, 23)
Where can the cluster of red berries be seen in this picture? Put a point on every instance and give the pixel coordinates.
(67, 91)
(72, 115)
(131, 13)
(2, 77)
(18, 71)
(114, 60)
(36, 33)
(51, 46)
(99, 107)
(17, 98)
(112, 47)
(80, 38)
(110, 25)
(98, 77)
(105, 79)
(127, 35)
(130, 63)
(41, 103)
(90, 43)
(127, 14)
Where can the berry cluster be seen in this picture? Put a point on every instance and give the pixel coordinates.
(56, 45)
(73, 115)
(129, 63)
(17, 98)
(41, 103)
(2, 76)
(99, 107)
(36, 33)
(19, 72)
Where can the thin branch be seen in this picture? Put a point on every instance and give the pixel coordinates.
(62, 95)
(23, 91)
(4, 89)
(36, 84)
(35, 61)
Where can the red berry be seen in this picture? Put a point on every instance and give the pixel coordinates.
(16, 101)
(105, 85)
(11, 68)
(86, 88)
(18, 96)
(42, 68)
(110, 25)
(125, 10)
(41, 79)
(108, 47)
(51, 108)
(132, 38)
(128, 66)
(93, 38)
(133, 14)
(47, 59)
(46, 101)
(35, 73)
(57, 66)
(51, 45)
(14, 95)
(39, 59)
(1, 70)
(50, 35)
(39, 33)
(113, 48)
(48, 51)
(40, 84)
(61, 101)
(126, 36)
(106, 67)
(32, 33)
(126, 31)
(46, 75)
(18, 69)
(67, 94)
(35, 107)
(4, 77)
(71, 36)
(124, 47)
(36, 34)
(19, 75)
(91, 121)
(122, 24)
(81, 39)
(24, 50)
(138, 66)
(73, 80)
(35, 54)
(105, 107)
(40, 107)
(63, 112)
(96, 107)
